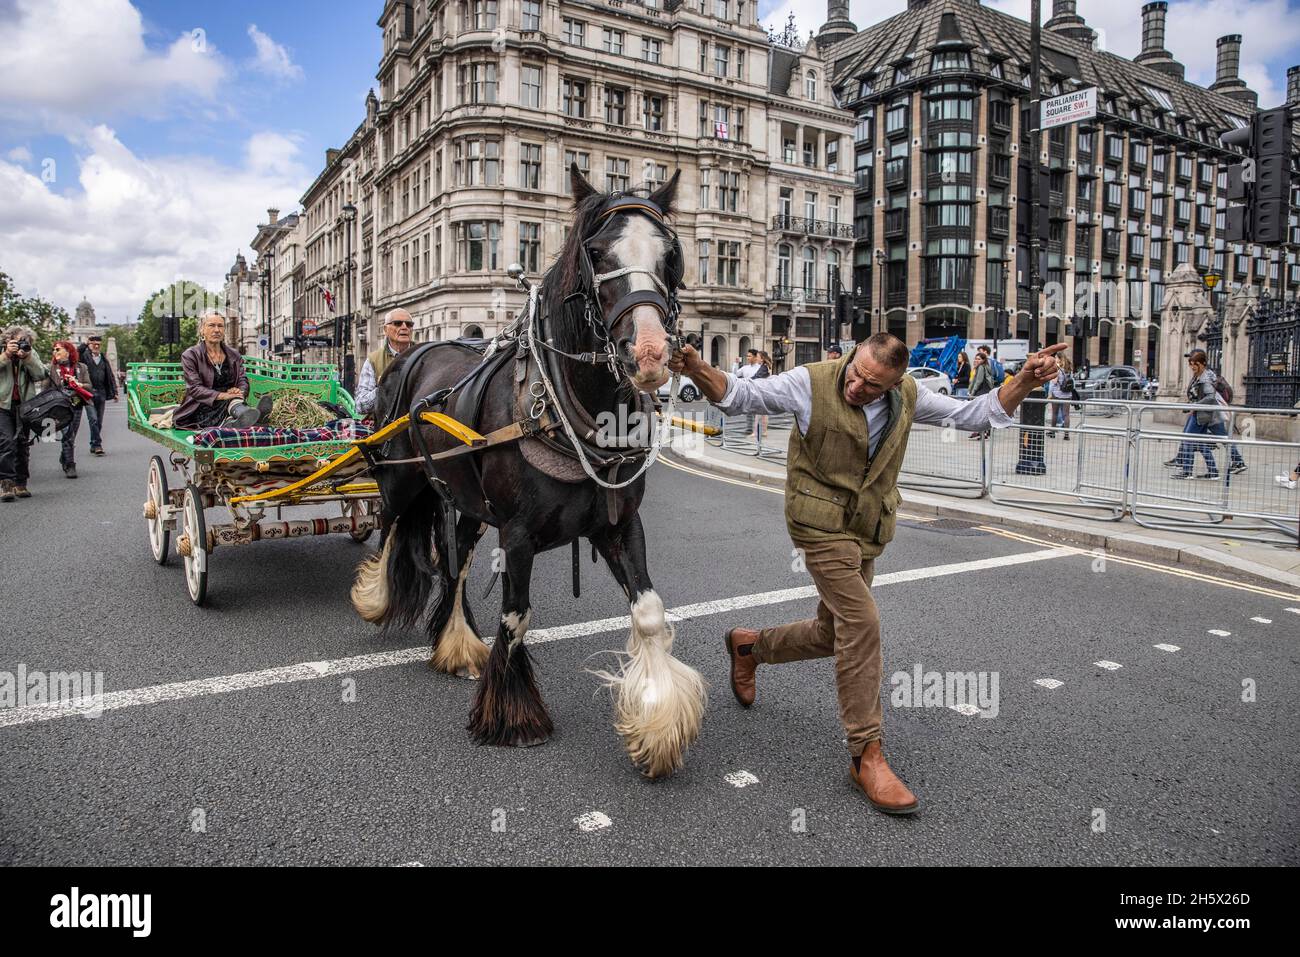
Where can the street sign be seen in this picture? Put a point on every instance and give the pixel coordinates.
(263, 342)
(309, 327)
(314, 341)
(1069, 108)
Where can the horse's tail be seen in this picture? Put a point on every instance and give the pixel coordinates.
(392, 588)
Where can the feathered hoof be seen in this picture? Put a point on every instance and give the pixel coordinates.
(460, 653)
(656, 736)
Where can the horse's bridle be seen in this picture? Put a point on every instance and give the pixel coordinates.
(663, 298)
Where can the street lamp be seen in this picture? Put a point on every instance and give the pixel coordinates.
(270, 294)
(266, 308)
(880, 268)
(349, 217)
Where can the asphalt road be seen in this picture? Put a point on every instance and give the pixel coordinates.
(1157, 762)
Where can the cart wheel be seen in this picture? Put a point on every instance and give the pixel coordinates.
(154, 510)
(360, 509)
(196, 553)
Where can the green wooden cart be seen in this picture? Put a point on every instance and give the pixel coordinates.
(245, 481)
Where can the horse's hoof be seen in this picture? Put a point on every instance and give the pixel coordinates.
(466, 672)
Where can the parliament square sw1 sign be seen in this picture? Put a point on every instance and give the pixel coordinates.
(1069, 108)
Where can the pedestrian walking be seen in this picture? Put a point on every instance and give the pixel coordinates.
(981, 384)
(1208, 421)
(852, 422)
(961, 381)
(22, 375)
(103, 383)
(1062, 392)
(67, 373)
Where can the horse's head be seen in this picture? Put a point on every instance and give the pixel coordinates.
(626, 264)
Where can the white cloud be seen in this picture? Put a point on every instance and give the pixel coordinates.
(135, 225)
(63, 60)
(19, 154)
(273, 58)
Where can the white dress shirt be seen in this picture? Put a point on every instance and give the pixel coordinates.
(792, 392)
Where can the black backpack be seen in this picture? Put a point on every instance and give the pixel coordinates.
(49, 410)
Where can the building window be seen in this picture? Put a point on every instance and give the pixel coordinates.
(832, 271)
(530, 247)
(575, 98)
(809, 206)
(651, 50)
(612, 40)
(951, 108)
(477, 83)
(656, 175)
(810, 85)
(532, 18)
(728, 263)
(783, 260)
(476, 245)
(653, 113)
(721, 59)
(896, 118)
(704, 245)
(485, 14)
(705, 175)
(809, 270)
(950, 61)
(833, 210)
(530, 86)
(575, 32)
(728, 191)
(616, 106)
(616, 174)
(833, 155)
(530, 165)
(584, 165)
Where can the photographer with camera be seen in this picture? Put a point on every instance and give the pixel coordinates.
(22, 375)
(74, 378)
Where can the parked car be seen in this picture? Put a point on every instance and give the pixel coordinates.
(1152, 390)
(1112, 382)
(688, 391)
(932, 379)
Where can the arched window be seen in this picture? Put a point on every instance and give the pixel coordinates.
(809, 269)
(810, 84)
(832, 271)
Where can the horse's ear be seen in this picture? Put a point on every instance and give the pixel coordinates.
(666, 195)
(578, 185)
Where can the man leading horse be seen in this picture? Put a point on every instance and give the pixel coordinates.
(853, 416)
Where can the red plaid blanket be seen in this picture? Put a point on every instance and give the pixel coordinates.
(263, 436)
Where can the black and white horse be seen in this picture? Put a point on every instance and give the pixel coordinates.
(601, 325)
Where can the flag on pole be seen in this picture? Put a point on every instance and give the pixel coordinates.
(329, 297)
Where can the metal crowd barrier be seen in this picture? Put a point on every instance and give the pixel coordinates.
(1112, 461)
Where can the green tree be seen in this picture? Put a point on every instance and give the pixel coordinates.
(128, 348)
(183, 298)
(49, 322)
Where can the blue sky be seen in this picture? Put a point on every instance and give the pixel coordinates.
(135, 150)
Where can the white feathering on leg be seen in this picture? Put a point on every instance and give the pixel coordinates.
(459, 650)
(370, 590)
(658, 702)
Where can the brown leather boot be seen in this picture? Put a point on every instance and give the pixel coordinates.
(881, 785)
(742, 666)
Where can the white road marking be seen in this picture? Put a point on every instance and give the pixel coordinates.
(1108, 665)
(312, 670)
(740, 779)
(1263, 621)
(592, 821)
(1048, 683)
(1169, 648)
(1220, 632)
(965, 708)
(1294, 611)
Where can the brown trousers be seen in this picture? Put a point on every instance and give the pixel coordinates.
(847, 626)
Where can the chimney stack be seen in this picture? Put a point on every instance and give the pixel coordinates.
(1293, 87)
(1067, 22)
(1227, 78)
(837, 28)
(272, 216)
(1154, 54)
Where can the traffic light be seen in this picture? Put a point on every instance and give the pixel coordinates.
(1262, 181)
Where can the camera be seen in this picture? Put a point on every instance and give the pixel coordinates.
(24, 346)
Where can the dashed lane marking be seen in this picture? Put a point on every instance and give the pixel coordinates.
(1263, 621)
(1048, 683)
(315, 670)
(592, 821)
(1221, 633)
(965, 708)
(1169, 648)
(1108, 665)
(740, 779)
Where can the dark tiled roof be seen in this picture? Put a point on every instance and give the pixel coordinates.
(780, 66)
(993, 36)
